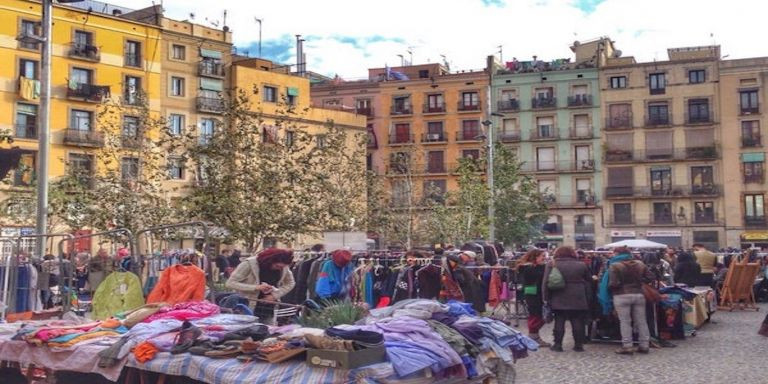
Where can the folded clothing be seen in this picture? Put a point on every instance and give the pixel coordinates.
(144, 352)
(185, 311)
(368, 337)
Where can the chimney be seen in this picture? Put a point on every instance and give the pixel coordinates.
(116, 12)
(299, 55)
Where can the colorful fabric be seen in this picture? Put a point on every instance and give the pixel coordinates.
(120, 291)
(185, 311)
(177, 284)
(332, 280)
(144, 352)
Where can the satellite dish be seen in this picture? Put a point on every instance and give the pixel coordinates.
(617, 53)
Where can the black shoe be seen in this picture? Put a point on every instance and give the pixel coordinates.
(643, 350)
(578, 348)
(556, 348)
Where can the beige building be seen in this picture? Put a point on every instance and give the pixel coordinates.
(742, 87)
(662, 155)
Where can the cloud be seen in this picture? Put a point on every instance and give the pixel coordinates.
(349, 37)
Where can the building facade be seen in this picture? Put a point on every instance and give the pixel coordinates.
(661, 148)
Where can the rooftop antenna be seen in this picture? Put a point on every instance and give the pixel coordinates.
(402, 60)
(410, 55)
(191, 16)
(224, 20)
(501, 53)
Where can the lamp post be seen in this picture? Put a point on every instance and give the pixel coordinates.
(489, 173)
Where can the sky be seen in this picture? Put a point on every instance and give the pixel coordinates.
(345, 37)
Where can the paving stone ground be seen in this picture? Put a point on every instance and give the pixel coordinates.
(727, 351)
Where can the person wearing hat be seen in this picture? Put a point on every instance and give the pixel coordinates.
(266, 276)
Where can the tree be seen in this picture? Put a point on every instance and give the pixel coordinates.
(265, 177)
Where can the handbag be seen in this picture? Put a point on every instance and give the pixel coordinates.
(651, 294)
(555, 280)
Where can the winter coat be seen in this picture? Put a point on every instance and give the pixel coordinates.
(578, 285)
(245, 278)
(333, 281)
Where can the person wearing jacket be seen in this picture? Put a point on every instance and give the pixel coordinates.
(687, 270)
(470, 285)
(625, 279)
(531, 272)
(707, 261)
(571, 302)
(266, 276)
(332, 280)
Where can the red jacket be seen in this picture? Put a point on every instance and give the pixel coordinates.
(179, 283)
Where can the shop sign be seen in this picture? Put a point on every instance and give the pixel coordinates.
(668, 233)
(10, 232)
(622, 233)
(754, 236)
(27, 231)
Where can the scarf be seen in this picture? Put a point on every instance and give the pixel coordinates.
(604, 294)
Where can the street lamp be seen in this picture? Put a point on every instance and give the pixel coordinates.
(45, 119)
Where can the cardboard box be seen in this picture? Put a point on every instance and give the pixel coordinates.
(324, 358)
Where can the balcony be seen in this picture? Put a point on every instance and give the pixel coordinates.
(622, 220)
(210, 104)
(618, 156)
(434, 138)
(705, 190)
(584, 228)
(749, 109)
(698, 118)
(365, 111)
(751, 142)
(627, 191)
(754, 221)
(581, 133)
(83, 138)
(210, 69)
(401, 110)
(662, 218)
(400, 139)
(661, 191)
(469, 135)
(88, 92)
(754, 179)
(509, 137)
(435, 168)
(132, 60)
(580, 101)
(545, 134)
(84, 52)
(26, 131)
(543, 102)
(705, 218)
(512, 105)
(468, 107)
(709, 152)
(618, 123)
(557, 166)
(655, 121)
(658, 90)
(131, 142)
(434, 108)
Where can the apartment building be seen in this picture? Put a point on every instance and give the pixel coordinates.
(743, 120)
(548, 113)
(661, 148)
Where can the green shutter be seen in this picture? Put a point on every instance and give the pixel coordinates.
(211, 84)
(753, 157)
(26, 109)
(293, 91)
(210, 53)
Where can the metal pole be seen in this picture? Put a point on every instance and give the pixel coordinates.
(44, 135)
(259, 20)
(491, 190)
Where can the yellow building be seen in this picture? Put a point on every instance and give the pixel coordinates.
(662, 156)
(742, 87)
(95, 56)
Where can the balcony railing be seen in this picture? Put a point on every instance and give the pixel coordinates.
(754, 179)
(584, 228)
(434, 108)
(545, 134)
(660, 154)
(83, 138)
(88, 92)
(698, 118)
(619, 155)
(478, 163)
(400, 139)
(435, 168)
(464, 106)
(84, 51)
(749, 109)
(508, 105)
(440, 137)
(210, 104)
(543, 102)
(653, 121)
(627, 191)
(404, 109)
(365, 111)
(509, 137)
(468, 135)
(751, 142)
(662, 218)
(754, 221)
(558, 166)
(705, 218)
(580, 101)
(708, 152)
(132, 60)
(581, 132)
(26, 131)
(658, 90)
(622, 220)
(210, 69)
(705, 190)
(617, 123)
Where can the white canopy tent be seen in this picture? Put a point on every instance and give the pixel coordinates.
(636, 243)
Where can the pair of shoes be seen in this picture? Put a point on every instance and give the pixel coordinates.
(543, 344)
(186, 338)
(643, 350)
(578, 348)
(625, 351)
(556, 348)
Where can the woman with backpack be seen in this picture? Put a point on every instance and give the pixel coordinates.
(566, 288)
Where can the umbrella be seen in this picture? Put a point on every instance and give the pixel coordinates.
(635, 243)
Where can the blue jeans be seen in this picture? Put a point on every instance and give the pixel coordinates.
(631, 310)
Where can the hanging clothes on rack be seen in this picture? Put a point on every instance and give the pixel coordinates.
(120, 291)
(179, 283)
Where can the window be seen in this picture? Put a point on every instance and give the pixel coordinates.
(435, 132)
(544, 93)
(175, 168)
(363, 106)
(29, 28)
(178, 52)
(470, 129)
(702, 180)
(82, 46)
(80, 76)
(132, 90)
(80, 120)
(321, 141)
(698, 111)
(618, 82)
(29, 69)
(373, 142)
(292, 95)
(469, 101)
(509, 130)
(619, 116)
(400, 193)
(26, 121)
(434, 190)
(424, 74)
(697, 76)
(270, 94)
(703, 212)
(473, 154)
(581, 128)
(401, 105)
(657, 83)
(583, 158)
(584, 191)
(753, 170)
(661, 181)
(620, 181)
(399, 162)
(269, 134)
(435, 162)
(545, 127)
(177, 86)
(659, 145)
(402, 134)
(130, 127)
(622, 213)
(754, 209)
(435, 103)
(133, 54)
(289, 138)
(176, 126)
(658, 114)
(749, 102)
(545, 159)
(129, 168)
(207, 130)
(750, 133)
(548, 190)
(662, 213)
(508, 94)
(80, 166)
